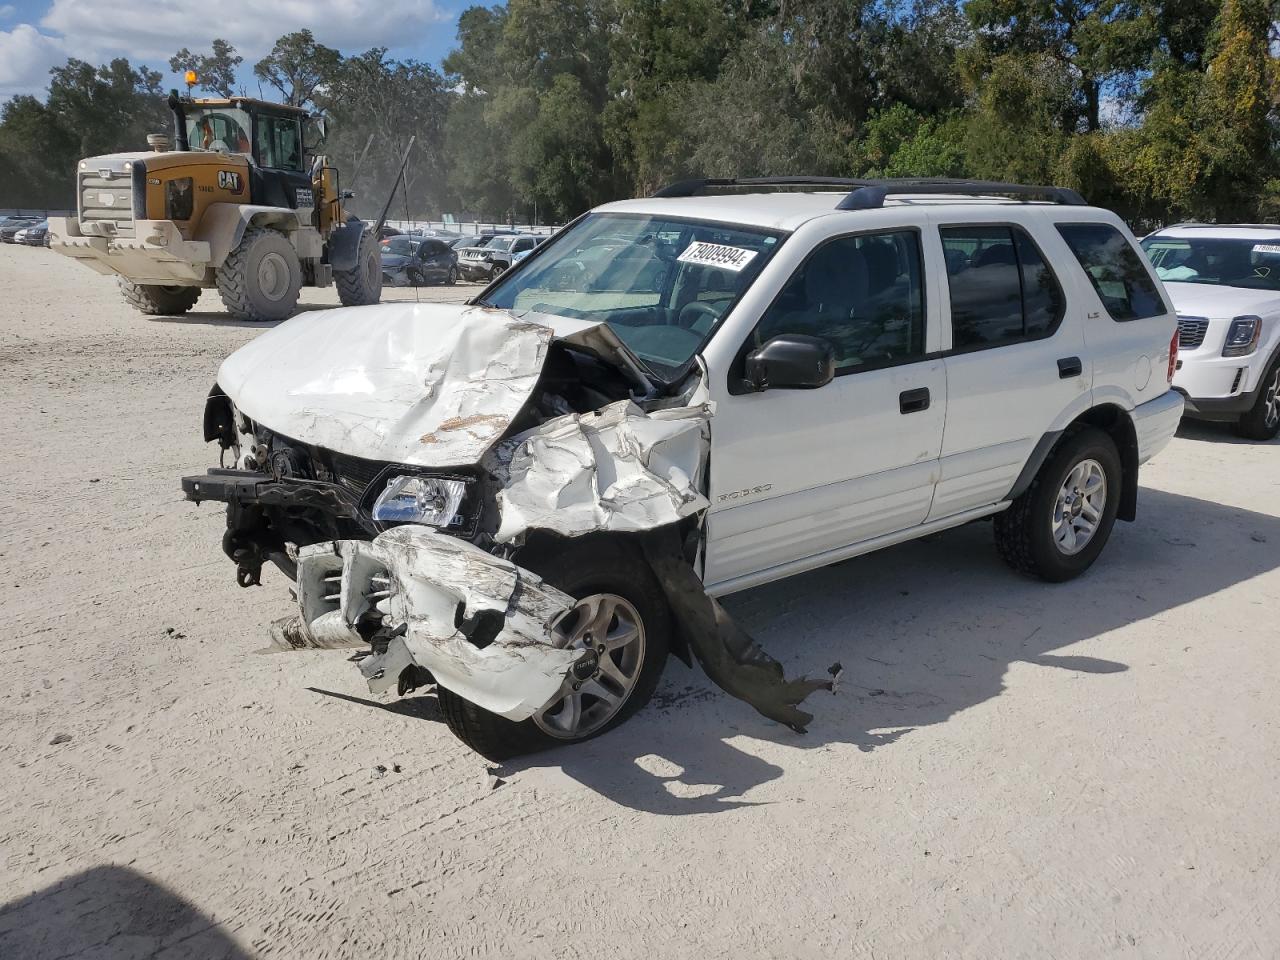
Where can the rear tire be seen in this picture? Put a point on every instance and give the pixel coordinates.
(362, 285)
(1043, 533)
(260, 279)
(582, 568)
(1262, 422)
(158, 301)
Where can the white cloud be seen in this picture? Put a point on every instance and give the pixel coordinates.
(147, 32)
(26, 55)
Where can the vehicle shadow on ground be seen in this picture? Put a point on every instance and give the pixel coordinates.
(1209, 431)
(110, 913)
(924, 631)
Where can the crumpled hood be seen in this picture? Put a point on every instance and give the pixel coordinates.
(394, 260)
(428, 384)
(1220, 302)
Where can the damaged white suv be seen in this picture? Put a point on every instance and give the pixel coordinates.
(529, 501)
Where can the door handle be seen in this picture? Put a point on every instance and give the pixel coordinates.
(1069, 367)
(913, 401)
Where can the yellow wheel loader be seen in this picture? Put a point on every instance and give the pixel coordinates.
(234, 203)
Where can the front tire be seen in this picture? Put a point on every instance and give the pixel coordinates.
(261, 277)
(158, 301)
(1262, 422)
(362, 285)
(1056, 529)
(623, 612)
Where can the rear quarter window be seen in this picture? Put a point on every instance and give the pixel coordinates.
(1120, 278)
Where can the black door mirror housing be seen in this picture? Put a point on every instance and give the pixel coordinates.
(791, 361)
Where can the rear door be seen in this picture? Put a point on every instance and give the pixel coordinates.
(1016, 360)
(1128, 316)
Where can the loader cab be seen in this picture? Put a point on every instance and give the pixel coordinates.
(269, 135)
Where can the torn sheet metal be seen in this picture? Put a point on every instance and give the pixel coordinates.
(418, 586)
(428, 384)
(729, 655)
(618, 470)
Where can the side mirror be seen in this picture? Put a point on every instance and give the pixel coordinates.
(791, 361)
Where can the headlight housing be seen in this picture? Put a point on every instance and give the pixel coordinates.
(433, 501)
(1242, 337)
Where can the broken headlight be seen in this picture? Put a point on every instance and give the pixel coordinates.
(433, 501)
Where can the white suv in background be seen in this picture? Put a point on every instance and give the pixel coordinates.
(529, 500)
(1225, 284)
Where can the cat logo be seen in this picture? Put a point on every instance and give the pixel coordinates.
(230, 180)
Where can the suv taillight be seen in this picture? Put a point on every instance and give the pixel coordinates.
(1173, 356)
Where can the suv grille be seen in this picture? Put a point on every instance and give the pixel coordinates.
(106, 203)
(1191, 331)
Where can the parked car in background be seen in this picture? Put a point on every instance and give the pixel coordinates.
(409, 261)
(1225, 283)
(9, 229)
(36, 235)
(485, 263)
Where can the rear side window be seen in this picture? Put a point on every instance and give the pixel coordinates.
(1002, 291)
(1116, 271)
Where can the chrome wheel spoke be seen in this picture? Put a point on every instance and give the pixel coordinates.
(598, 690)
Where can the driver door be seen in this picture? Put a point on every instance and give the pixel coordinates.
(796, 474)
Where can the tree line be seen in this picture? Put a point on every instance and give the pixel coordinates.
(1160, 109)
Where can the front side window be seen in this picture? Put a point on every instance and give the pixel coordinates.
(279, 143)
(1002, 291)
(863, 294)
(661, 284)
(1116, 271)
(225, 130)
(1218, 261)
(401, 246)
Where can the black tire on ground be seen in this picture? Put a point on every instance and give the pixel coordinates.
(453, 276)
(362, 284)
(1262, 422)
(158, 301)
(580, 568)
(261, 277)
(1025, 532)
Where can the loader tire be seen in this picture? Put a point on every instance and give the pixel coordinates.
(158, 301)
(361, 285)
(261, 277)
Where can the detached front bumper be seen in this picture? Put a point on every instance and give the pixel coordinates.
(156, 253)
(480, 625)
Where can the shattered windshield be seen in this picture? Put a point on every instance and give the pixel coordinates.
(661, 284)
(1220, 261)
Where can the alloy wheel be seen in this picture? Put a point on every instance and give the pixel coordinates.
(1079, 507)
(610, 632)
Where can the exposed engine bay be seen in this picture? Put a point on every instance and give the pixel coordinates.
(402, 505)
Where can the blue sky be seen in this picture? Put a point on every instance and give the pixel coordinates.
(38, 34)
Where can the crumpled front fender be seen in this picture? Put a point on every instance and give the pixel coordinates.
(420, 588)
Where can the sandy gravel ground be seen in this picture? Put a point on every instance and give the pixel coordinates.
(1011, 770)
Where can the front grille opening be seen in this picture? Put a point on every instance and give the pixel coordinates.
(1191, 331)
(1235, 384)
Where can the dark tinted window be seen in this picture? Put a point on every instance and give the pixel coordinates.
(1002, 291)
(863, 294)
(1115, 270)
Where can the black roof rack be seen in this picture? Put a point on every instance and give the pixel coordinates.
(871, 194)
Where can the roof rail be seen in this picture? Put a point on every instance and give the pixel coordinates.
(871, 194)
